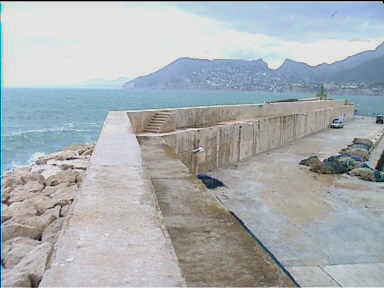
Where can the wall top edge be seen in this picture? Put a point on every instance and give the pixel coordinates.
(306, 100)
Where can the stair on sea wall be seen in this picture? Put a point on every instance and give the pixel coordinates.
(157, 122)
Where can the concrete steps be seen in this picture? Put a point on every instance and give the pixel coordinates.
(157, 121)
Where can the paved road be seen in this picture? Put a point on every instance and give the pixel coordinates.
(327, 230)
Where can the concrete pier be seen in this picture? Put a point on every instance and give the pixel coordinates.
(143, 219)
(115, 236)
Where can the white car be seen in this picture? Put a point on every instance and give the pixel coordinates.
(337, 123)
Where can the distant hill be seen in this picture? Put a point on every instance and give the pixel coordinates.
(369, 72)
(293, 71)
(191, 73)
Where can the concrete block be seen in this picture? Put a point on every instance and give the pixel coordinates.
(311, 276)
(208, 139)
(360, 275)
(185, 118)
(206, 117)
(186, 141)
(246, 141)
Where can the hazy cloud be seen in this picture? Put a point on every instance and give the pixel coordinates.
(64, 42)
(298, 21)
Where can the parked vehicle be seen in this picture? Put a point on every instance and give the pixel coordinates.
(380, 119)
(337, 123)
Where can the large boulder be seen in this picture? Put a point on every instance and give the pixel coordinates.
(44, 159)
(364, 174)
(81, 164)
(50, 234)
(34, 186)
(21, 176)
(309, 161)
(79, 148)
(64, 196)
(13, 230)
(335, 165)
(33, 176)
(40, 203)
(22, 209)
(50, 170)
(80, 178)
(38, 223)
(49, 190)
(15, 249)
(20, 193)
(16, 177)
(349, 162)
(6, 195)
(365, 141)
(64, 210)
(67, 176)
(67, 155)
(11, 279)
(87, 152)
(34, 263)
(6, 213)
(328, 166)
(360, 146)
(379, 176)
(362, 153)
(10, 182)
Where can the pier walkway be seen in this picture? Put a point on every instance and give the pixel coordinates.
(114, 236)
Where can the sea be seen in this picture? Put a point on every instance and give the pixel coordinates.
(36, 122)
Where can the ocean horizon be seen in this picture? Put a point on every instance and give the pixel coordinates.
(40, 121)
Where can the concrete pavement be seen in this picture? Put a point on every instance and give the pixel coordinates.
(327, 230)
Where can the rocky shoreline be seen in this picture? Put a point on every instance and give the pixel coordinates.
(35, 202)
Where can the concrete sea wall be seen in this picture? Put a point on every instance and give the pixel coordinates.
(207, 116)
(230, 134)
(115, 233)
(114, 236)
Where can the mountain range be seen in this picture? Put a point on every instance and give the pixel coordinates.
(191, 73)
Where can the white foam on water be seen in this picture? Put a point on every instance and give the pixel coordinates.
(35, 131)
(35, 156)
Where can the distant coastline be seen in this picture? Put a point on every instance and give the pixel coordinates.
(310, 90)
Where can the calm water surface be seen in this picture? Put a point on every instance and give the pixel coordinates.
(42, 121)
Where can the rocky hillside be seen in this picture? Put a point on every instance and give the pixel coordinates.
(370, 71)
(190, 73)
(35, 202)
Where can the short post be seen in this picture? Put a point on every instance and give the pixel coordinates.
(198, 157)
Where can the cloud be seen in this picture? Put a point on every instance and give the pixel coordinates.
(297, 21)
(68, 42)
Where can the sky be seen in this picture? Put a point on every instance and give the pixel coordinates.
(59, 43)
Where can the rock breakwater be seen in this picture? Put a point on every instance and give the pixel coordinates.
(35, 201)
(352, 160)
